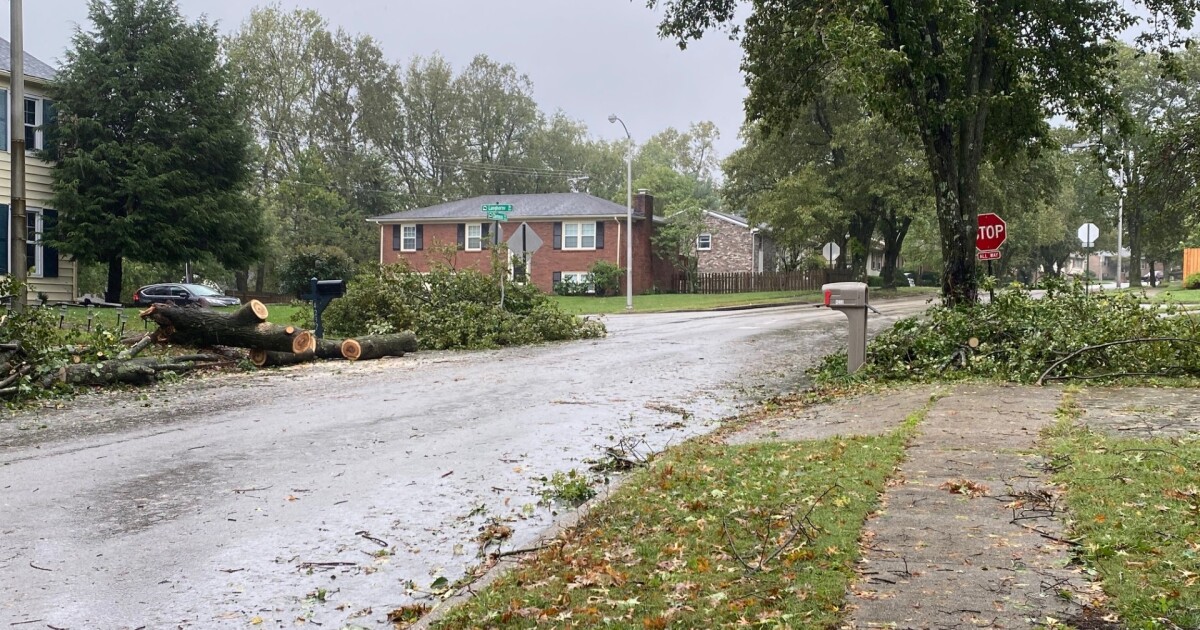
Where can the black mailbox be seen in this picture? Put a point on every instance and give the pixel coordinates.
(321, 293)
(331, 288)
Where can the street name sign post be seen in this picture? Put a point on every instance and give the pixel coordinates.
(990, 233)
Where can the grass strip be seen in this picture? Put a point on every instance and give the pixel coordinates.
(708, 535)
(1135, 508)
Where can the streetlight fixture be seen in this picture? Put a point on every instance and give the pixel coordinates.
(628, 213)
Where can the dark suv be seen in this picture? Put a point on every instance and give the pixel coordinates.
(182, 294)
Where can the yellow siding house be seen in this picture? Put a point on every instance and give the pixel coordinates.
(50, 274)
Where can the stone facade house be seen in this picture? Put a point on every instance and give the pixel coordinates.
(730, 244)
(576, 230)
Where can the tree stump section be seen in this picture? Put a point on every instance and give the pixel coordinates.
(141, 371)
(270, 358)
(244, 328)
(376, 346)
(306, 342)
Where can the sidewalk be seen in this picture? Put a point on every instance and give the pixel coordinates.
(970, 534)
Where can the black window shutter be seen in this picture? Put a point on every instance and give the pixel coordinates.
(484, 232)
(49, 254)
(420, 237)
(49, 117)
(557, 236)
(6, 239)
(556, 277)
(599, 235)
(462, 236)
(397, 233)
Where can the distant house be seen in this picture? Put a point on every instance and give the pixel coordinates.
(576, 229)
(730, 244)
(49, 273)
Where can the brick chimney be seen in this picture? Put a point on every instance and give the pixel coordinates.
(643, 204)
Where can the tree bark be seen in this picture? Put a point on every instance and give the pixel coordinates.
(132, 372)
(205, 327)
(1133, 224)
(376, 346)
(269, 358)
(306, 342)
(894, 229)
(112, 291)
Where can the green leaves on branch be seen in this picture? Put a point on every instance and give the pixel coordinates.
(451, 309)
(1018, 338)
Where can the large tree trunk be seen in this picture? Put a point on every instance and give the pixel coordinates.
(893, 229)
(862, 228)
(112, 291)
(307, 343)
(268, 358)
(1133, 225)
(956, 192)
(131, 372)
(376, 346)
(244, 328)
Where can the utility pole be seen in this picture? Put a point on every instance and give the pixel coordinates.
(18, 269)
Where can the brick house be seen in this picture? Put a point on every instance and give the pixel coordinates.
(730, 244)
(576, 229)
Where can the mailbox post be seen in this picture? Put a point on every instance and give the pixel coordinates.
(321, 293)
(851, 299)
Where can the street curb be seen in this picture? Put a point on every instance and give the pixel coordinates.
(563, 523)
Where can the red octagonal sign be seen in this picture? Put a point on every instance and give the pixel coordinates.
(992, 232)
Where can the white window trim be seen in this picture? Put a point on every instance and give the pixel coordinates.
(35, 239)
(478, 237)
(38, 108)
(579, 236)
(700, 238)
(403, 237)
(580, 277)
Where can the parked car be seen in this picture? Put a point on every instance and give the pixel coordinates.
(182, 294)
(1158, 276)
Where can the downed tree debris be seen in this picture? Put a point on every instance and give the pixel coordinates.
(376, 346)
(270, 358)
(244, 328)
(140, 371)
(307, 342)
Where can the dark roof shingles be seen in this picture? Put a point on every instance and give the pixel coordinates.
(532, 206)
(34, 67)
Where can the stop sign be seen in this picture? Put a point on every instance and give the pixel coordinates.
(992, 232)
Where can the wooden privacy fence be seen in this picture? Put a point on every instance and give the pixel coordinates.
(1191, 262)
(748, 282)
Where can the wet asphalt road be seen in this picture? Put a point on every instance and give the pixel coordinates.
(333, 493)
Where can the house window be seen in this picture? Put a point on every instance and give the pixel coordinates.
(704, 242)
(408, 238)
(579, 235)
(474, 237)
(33, 120)
(876, 262)
(579, 278)
(33, 242)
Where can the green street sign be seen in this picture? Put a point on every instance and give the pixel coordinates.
(493, 208)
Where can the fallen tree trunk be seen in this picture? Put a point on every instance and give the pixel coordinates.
(306, 342)
(270, 358)
(244, 328)
(376, 346)
(142, 371)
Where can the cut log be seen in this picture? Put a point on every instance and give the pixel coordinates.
(268, 358)
(137, 348)
(252, 312)
(205, 327)
(142, 371)
(306, 342)
(376, 346)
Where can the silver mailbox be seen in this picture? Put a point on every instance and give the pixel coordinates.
(843, 294)
(851, 299)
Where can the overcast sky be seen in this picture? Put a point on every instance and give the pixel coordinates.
(590, 58)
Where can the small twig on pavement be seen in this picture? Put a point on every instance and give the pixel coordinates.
(365, 534)
(39, 568)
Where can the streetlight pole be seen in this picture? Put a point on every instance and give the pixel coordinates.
(628, 213)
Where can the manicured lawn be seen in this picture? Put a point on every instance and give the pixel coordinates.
(708, 536)
(1135, 507)
(677, 302)
(109, 318)
(1181, 296)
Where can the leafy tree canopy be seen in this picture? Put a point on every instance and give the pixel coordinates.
(150, 153)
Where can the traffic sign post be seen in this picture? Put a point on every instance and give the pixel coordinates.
(831, 251)
(497, 211)
(990, 233)
(1088, 233)
(524, 242)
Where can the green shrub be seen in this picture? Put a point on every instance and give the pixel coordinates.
(451, 309)
(1017, 337)
(321, 262)
(606, 277)
(1192, 281)
(571, 287)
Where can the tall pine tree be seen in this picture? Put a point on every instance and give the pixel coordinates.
(150, 153)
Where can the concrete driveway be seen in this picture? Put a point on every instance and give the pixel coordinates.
(327, 493)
